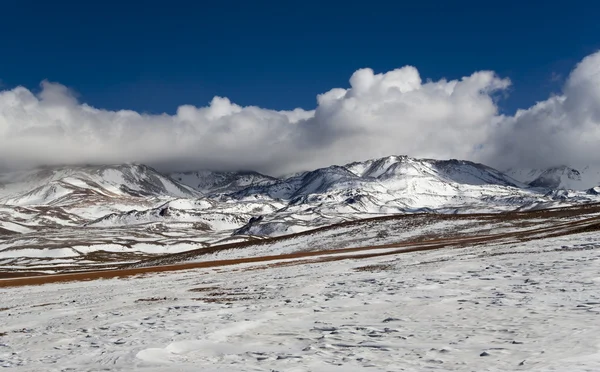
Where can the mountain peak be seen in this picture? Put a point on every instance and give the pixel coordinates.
(42, 185)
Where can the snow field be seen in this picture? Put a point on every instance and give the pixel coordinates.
(525, 306)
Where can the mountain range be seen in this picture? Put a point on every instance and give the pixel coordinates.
(99, 215)
(560, 177)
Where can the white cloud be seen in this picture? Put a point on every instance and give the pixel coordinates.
(563, 130)
(379, 114)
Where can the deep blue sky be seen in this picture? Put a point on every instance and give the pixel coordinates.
(153, 56)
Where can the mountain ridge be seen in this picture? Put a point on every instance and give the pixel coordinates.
(132, 210)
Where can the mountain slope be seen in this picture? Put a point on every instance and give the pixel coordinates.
(459, 171)
(64, 185)
(210, 182)
(394, 182)
(560, 177)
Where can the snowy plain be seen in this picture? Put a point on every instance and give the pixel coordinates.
(531, 305)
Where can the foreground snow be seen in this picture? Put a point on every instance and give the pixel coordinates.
(527, 306)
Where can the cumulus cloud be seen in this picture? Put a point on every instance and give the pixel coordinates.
(378, 115)
(563, 130)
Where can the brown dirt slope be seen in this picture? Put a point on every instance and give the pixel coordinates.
(566, 228)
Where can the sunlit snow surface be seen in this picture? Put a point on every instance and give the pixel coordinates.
(527, 306)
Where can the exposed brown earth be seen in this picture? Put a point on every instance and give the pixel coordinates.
(521, 219)
(222, 300)
(374, 268)
(204, 289)
(566, 228)
(151, 299)
(101, 260)
(46, 304)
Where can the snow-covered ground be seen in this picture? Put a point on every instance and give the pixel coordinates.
(499, 307)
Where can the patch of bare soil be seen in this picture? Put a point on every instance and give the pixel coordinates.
(374, 268)
(153, 299)
(22, 330)
(104, 256)
(221, 295)
(204, 289)
(7, 232)
(19, 274)
(46, 304)
(222, 300)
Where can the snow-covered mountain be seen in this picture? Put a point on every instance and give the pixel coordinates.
(394, 184)
(393, 173)
(560, 177)
(134, 208)
(594, 190)
(210, 182)
(65, 185)
(459, 171)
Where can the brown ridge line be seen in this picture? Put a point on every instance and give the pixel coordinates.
(551, 212)
(410, 247)
(522, 233)
(122, 273)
